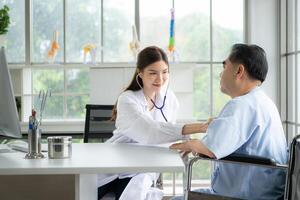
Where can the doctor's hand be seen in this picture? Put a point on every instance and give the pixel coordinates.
(209, 120)
(196, 127)
(204, 126)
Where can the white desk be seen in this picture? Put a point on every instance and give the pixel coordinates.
(89, 159)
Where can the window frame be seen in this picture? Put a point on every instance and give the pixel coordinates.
(289, 70)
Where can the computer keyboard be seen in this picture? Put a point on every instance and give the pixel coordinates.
(23, 146)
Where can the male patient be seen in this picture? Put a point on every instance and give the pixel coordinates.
(248, 124)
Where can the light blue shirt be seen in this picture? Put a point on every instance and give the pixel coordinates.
(248, 124)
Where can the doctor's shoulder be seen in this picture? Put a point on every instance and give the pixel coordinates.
(128, 96)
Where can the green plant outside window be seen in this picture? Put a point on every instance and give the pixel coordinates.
(4, 20)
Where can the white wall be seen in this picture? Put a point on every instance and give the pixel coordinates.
(264, 31)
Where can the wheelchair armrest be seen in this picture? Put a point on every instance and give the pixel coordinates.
(250, 159)
(234, 158)
(242, 159)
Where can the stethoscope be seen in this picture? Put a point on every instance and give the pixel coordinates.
(156, 106)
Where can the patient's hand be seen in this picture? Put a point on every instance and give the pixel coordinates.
(195, 146)
(185, 147)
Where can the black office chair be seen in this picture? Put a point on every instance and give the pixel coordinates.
(292, 186)
(98, 123)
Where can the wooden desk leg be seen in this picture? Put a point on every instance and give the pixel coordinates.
(86, 187)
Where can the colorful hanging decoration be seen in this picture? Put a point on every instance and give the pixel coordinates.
(171, 48)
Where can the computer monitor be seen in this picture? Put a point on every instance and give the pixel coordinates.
(9, 120)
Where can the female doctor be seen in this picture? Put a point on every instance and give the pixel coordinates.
(145, 113)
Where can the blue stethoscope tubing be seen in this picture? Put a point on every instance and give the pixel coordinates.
(156, 106)
(161, 107)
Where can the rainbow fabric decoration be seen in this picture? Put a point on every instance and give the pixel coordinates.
(171, 46)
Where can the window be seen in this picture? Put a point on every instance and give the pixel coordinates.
(118, 17)
(194, 16)
(228, 23)
(158, 21)
(290, 66)
(47, 22)
(69, 92)
(83, 26)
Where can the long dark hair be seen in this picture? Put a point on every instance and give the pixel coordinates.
(145, 58)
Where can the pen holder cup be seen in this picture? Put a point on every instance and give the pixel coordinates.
(34, 144)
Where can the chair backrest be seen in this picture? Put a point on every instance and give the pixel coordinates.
(97, 122)
(292, 189)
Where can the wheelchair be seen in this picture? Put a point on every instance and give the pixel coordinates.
(292, 184)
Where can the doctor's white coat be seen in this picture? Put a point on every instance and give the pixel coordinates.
(136, 124)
